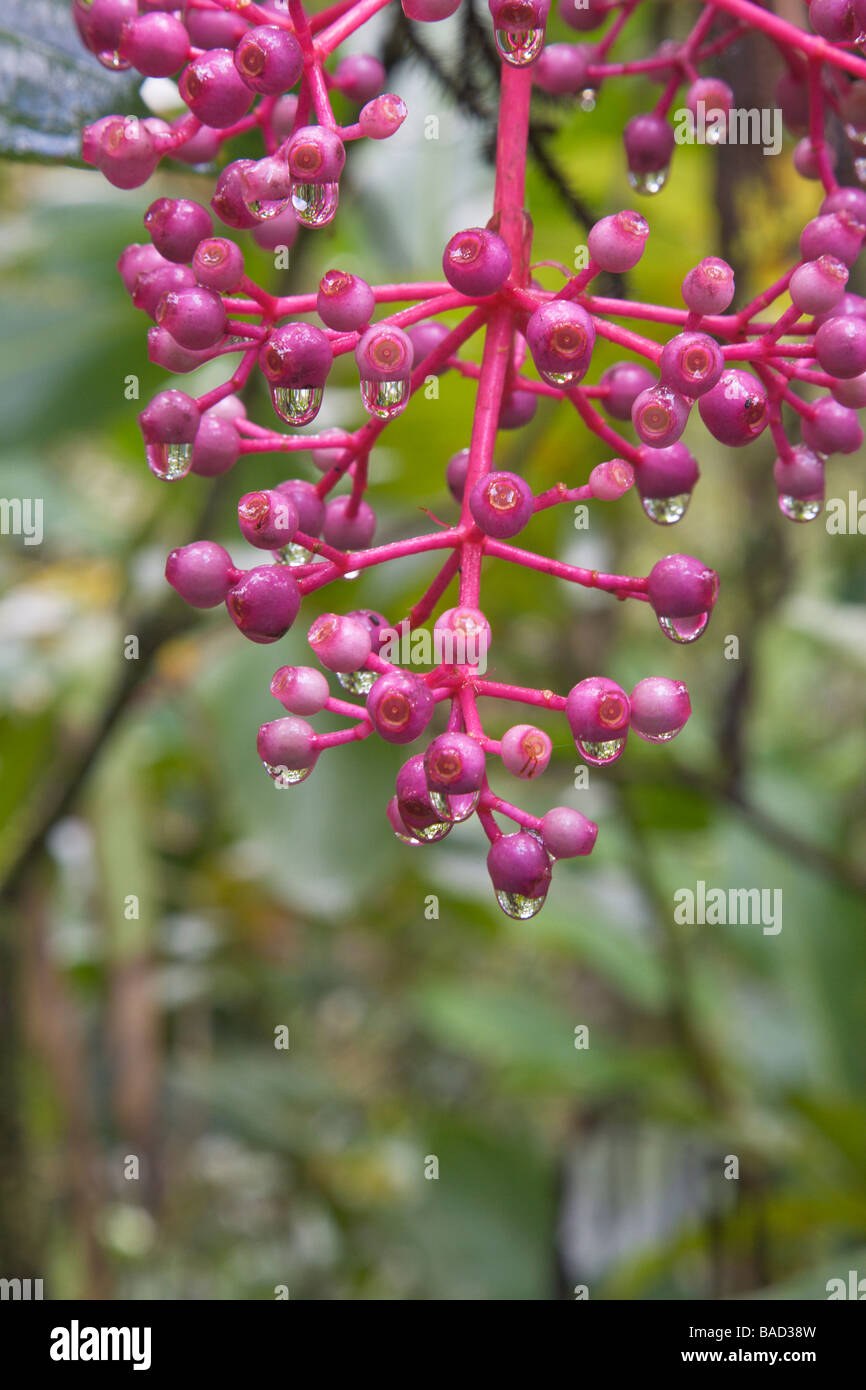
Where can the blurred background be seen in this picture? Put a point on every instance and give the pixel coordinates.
(154, 1141)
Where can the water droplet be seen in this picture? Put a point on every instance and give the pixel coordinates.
(431, 833)
(456, 808)
(519, 47)
(358, 682)
(666, 511)
(684, 629)
(315, 204)
(562, 378)
(661, 738)
(517, 906)
(855, 135)
(264, 208)
(587, 99)
(652, 182)
(169, 461)
(350, 574)
(800, 509)
(385, 399)
(860, 170)
(287, 776)
(599, 753)
(408, 839)
(293, 554)
(297, 405)
(111, 59)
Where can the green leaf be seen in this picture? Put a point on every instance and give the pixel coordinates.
(50, 86)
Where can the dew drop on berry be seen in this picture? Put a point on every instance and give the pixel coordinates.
(385, 399)
(287, 776)
(315, 204)
(358, 682)
(519, 47)
(455, 808)
(297, 405)
(587, 99)
(666, 511)
(652, 181)
(293, 555)
(684, 629)
(169, 461)
(430, 834)
(112, 60)
(799, 508)
(266, 208)
(517, 906)
(599, 753)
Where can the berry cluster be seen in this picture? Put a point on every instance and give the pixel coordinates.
(236, 63)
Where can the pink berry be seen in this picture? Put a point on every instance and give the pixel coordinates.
(382, 116)
(264, 603)
(348, 527)
(201, 573)
(400, 707)
(359, 77)
(519, 869)
(176, 226)
(659, 708)
(816, 286)
(501, 504)
(709, 287)
(597, 710)
(455, 474)
(840, 346)
(567, 833)
(287, 746)
(342, 643)
(217, 447)
(833, 429)
(228, 199)
(561, 337)
(268, 519)
(307, 502)
(214, 90)
(300, 689)
(269, 59)
(218, 264)
(624, 382)
(611, 479)
(195, 317)
(156, 45)
(660, 415)
(617, 243)
(682, 587)
(476, 262)
(691, 363)
(454, 765)
(525, 750)
(562, 68)
(344, 302)
(799, 479)
(735, 410)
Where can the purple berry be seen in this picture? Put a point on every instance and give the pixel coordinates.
(195, 317)
(840, 346)
(218, 264)
(455, 474)
(567, 833)
(176, 226)
(382, 116)
(660, 415)
(659, 708)
(837, 234)
(735, 410)
(296, 360)
(617, 243)
(100, 24)
(562, 68)
(213, 28)
(138, 259)
(265, 187)
(561, 337)
(709, 287)
(169, 425)
(424, 337)
(300, 689)
(525, 750)
(454, 765)
(665, 480)
(611, 479)
(799, 479)
(217, 446)
(269, 59)
(400, 707)
(385, 358)
(344, 302)
(279, 231)
(340, 643)
(150, 287)
(348, 529)
(264, 603)
(308, 503)
(214, 90)
(315, 158)
(156, 45)
(624, 382)
(649, 145)
(429, 11)
(683, 592)
(517, 409)
(287, 747)
(201, 573)
(851, 200)
(476, 262)
(817, 286)
(691, 363)
(501, 504)
(202, 147)
(123, 149)
(833, 429)
(584, 15)
(597, 710)
(850, 393)
(228, 199)
(832, 19)
(421, 812)
(267, 520)
(359, 77)
(519, 870)
(163, 351)
(715, 95)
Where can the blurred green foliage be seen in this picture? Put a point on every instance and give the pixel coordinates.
(412, 1039)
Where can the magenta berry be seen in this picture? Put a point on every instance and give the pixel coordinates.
(228, 200)
(156, 45)
(218, 264)
(562, 68)
(163, 351)
(518, 408)
(584, 15)
(837, 234)
(561, 337)
(195, 317)
(660, 415)
(683, 592)
(300, 689)
(266, 187)
(278, 232)
(525, 750)
(169, 426)
(267, 520)
(400, 707)
(709, 93)
(454, 765)
(344, 302)
(307, 503)
(501, 504)
(385, 357)
(214, 90)
(476, 262)
(799, 479)
(216, 448)
(315, 161)
(691, 363)
(735, 410)
(138, 260)
(455, 474)
(150, 287)
(566, 833)
(287, 747)
(832, 19)
(342, 643)
(817, 286)
(359, 77)
(611, 479)
(840, 346)
(665, 481)
(202, 573)
(296, 360)
(659, 708)
(617, 243)
(213, 28)
(346, 526)
(423, 813)
(123, 150)
(519, 869)
(833, 429)
(597, 710)
(269, 59)
(424, 337)
(429, 11)
(176, 226)
(649, 145)
(264, 603)
(383, 116)
(624, 383)
(709, 287)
